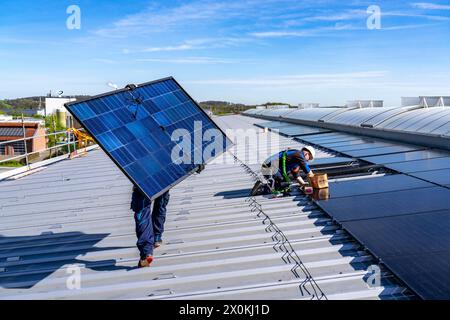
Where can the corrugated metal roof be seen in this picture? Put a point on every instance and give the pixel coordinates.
(11, 132)
(76, 213)
(434, 121)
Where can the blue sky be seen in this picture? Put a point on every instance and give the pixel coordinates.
(249, 51)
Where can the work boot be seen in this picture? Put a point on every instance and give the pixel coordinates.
(286, 192)
(145, 263)
(277, 194)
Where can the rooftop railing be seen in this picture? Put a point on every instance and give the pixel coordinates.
(57, 144)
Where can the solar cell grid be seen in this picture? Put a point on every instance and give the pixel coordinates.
(149, 130)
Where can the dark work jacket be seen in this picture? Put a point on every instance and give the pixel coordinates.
(294, 160)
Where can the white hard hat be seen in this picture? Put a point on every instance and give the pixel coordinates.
(311, 150)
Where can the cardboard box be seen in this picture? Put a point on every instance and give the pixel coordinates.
(319, 181)
(321, 194)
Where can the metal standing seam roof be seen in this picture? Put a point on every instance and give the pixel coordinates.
(421, 248)
(433, 121)
(76, 213)
(278, 112)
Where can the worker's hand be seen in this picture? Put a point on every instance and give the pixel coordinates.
(311, 175)
(301, 182)
(201, 168)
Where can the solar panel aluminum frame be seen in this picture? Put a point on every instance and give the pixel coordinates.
(229, 143)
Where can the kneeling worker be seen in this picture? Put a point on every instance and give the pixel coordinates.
(286, 164)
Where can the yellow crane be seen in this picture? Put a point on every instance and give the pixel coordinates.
(83, 140)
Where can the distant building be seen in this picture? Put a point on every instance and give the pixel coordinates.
(365, 104)
(11, 131)
(5, 117)
(426, 101)
(308, 105)
(274, 106)
(279, 106)
(53, 104)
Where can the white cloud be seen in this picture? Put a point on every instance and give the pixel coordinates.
(323, 80)
(362, 15)
(200, 13)
(155, 19)
(414, 15)
(430, 6)
(181, 47)
(190, 60)
(348, 15)
(302, 33)
(406, 27)
(195, 44)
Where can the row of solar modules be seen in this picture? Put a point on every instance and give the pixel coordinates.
(290, 130)
(433, 121)
(403, 219)
(155, 133)
(430, 165)
(293, 130)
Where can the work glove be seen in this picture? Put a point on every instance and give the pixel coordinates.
(201, 168)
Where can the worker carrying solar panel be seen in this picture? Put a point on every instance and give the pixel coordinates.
(281, 169)
(150, 223)
(136, 127)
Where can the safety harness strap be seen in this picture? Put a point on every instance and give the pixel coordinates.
(283, 167)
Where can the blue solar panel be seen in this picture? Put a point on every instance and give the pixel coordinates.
(426, 274)
(298, 130)
(394, 203)
(381, 151)
(441, 177)
(272, 124)
(421, 165)
(415, 247)
(390, 183)
(154, 132)
(334, 161)
(404, 235)
(407, 156)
